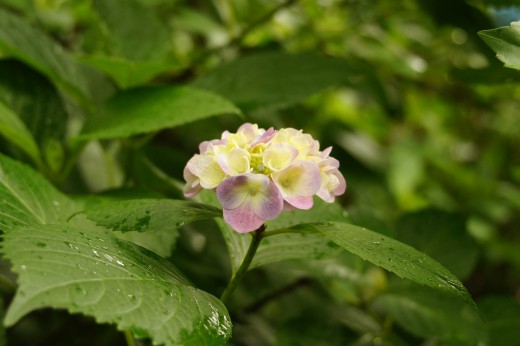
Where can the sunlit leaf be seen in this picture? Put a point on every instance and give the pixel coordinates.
(155, 108)
(505, 41)
(94, 273)
(274, 80)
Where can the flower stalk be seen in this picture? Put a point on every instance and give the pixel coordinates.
(257, 236)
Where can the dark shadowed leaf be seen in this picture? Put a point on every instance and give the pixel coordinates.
(274, 80)
(432, 314)
(442, 236)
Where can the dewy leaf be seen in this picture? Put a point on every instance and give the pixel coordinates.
(27, 198)
(94, 273)
(505, 41)
(33, 47)
(150, 214)
(149, 40)
(14, 130)
(392, 255)
(270, 81)
(151, 109)
(128, 73)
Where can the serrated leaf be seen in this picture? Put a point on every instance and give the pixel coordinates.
(33, 47)
(149, 40)
(15, 131)
(270, 81)
(27, 198)
(96, 274)
(505, 41)
(392, 255)
(128, 73)
(442, 236)
(150, 214)
(151, 109)
(429, 313)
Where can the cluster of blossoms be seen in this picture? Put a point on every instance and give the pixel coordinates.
(258, 173)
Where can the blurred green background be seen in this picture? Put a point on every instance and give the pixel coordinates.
(422, 116)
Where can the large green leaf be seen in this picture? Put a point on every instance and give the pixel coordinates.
(14, 130)
(128, 73)
(505, 41)
(442, 236)
(27, 198)
(149, 214)
(33, 47)
(134, 31)
(94, 273)
(390, 254)
(432, 314)
(274, 80)
(151, 109)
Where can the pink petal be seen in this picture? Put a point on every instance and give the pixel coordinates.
(242, 219)
(266, 137)
(300, 202)
(342, 184)
(270, 204)
(232, 192)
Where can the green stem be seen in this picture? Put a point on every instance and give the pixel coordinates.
(130, 341)
(235, 279)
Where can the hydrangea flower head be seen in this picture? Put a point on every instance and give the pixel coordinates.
(258, 173)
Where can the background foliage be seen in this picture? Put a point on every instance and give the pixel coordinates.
(107, 100)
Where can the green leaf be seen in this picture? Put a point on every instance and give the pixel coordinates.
(149, 214)
(128, 73)
(502, 316)
(14, 130)
(94, 273)
(151, 109)
(442, 236)
(505, 41)
(429, 313)
(37, 103)
(27, 198)
(281, 246)
(392, 255)
(135, 33)
(33, 47)
(271, 81)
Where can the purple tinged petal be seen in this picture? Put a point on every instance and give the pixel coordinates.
(302, 178)
(242, 219)
(233, 191)
(300, 202)
(266, 137)
(269, 204)
(192, 186)
(342, 187)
